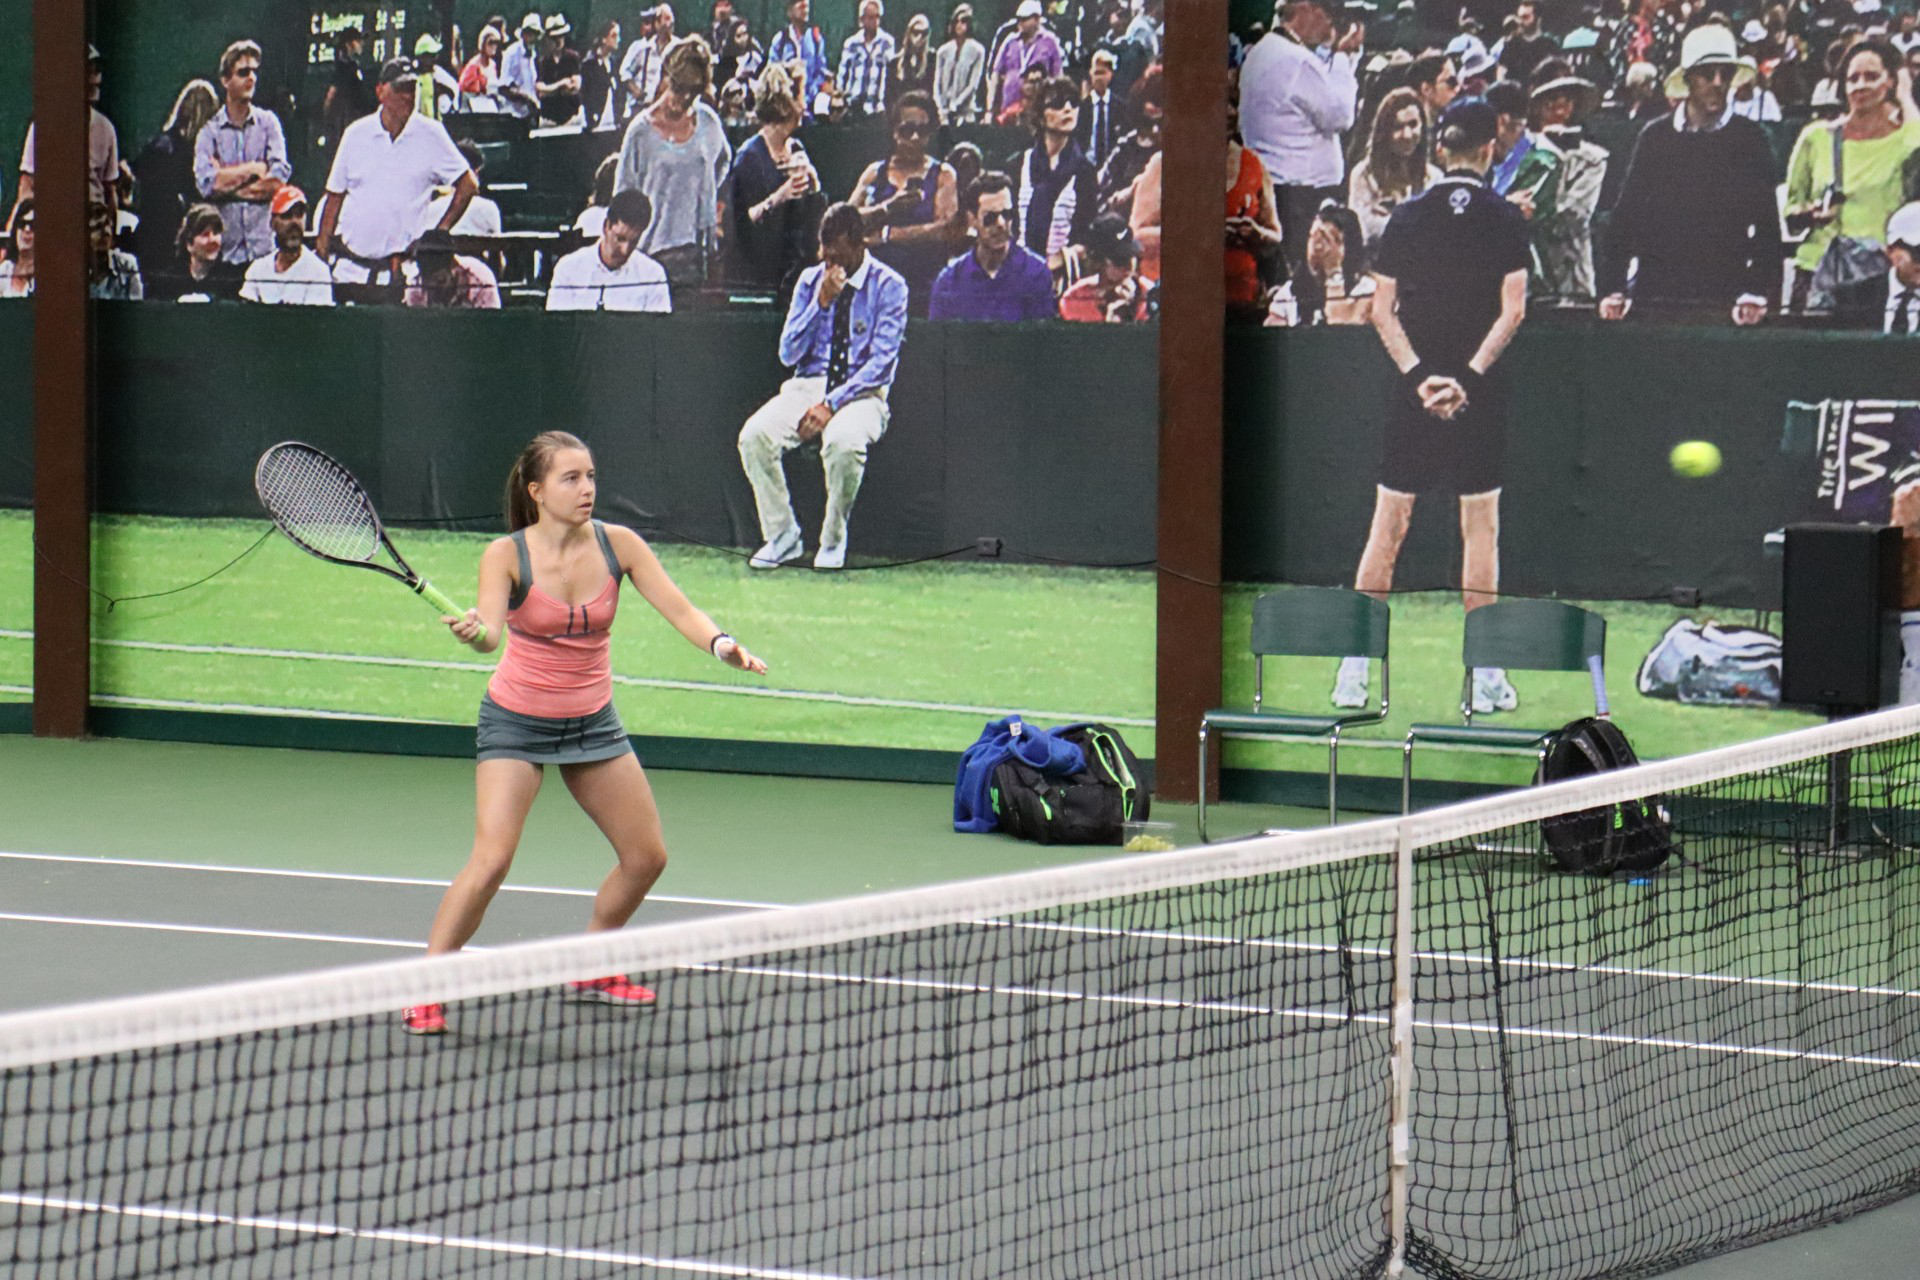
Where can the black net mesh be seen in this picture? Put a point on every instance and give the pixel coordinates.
(1182, 1082)
(1183, 1071)
(1615, 1074)
(317, 503)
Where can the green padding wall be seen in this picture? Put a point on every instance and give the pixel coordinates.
(430, 409)
(1591, 509)
(16, 404)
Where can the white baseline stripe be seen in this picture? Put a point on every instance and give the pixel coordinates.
(291, 1226)
(1466, 957)
(1313, 1015)
(637, 682)
(360, 879)
(276, 934)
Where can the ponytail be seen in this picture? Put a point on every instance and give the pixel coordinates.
(529, 468)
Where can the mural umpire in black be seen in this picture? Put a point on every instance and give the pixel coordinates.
(1452, 291)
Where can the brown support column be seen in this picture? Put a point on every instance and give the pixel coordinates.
(1192, 355)
(62, 383)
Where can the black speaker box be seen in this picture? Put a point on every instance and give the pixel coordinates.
(1840, 617)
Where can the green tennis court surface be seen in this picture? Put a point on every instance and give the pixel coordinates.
(356, 828)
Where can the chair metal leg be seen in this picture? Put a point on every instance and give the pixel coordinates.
(1333, 777)
(1406, 777)
(1203, 782)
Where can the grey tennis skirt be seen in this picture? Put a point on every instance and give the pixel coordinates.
(508, 735)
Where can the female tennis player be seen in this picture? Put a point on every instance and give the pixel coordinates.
(555, 582)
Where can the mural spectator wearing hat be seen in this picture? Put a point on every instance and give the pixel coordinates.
(440, 278)
(438, 93)
(1450, 293)
(480, 78)
(1695, 224)
(103, 147)
(349, 87)
(1889, 303)
(1563, 240)
(291, 275)
(559, 86)
(383, 177)
(240, 158)
(1474, 74)
(1030, 46)
(519, 85)
(1296, 100)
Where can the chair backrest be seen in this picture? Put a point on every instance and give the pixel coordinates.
(1319, 622)
(1533, 635)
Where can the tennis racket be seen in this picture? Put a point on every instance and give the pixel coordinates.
(323, 510)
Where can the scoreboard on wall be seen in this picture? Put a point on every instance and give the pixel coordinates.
(385, 26)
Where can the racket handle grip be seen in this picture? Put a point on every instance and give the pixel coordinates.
(439, 600)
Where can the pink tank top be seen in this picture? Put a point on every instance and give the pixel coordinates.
(558, 662)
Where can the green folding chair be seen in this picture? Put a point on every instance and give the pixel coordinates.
(1304, 622)
(1520, 635)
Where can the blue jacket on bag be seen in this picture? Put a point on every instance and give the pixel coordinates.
(1040, 748)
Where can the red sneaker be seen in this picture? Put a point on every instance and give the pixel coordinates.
(616, 991)
(424, 1020)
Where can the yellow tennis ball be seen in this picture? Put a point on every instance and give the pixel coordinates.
(1695, 458)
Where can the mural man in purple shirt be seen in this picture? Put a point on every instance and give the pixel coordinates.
(997, 279)
(1032, 45)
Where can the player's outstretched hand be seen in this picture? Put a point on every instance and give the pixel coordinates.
(735, 654)
(467, 627)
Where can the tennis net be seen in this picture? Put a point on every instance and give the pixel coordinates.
(1323, 1054)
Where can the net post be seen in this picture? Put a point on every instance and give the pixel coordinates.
(1400, 1130)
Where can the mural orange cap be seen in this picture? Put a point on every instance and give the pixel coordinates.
(288, 197)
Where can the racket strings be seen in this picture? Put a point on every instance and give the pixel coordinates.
(318, 505)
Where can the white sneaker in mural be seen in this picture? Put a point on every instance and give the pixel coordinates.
(1492, 692)
(1350, 686)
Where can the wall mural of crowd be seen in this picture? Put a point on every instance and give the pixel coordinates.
(1005, 171)
(1699, 161)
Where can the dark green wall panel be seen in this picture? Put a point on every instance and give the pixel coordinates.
(1044, 435)
(1591, 509)
(16, 403)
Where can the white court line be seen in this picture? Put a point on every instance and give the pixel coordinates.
(1307, 1015)
(339, 875)
(636, 682)
(292, 1226)
(1465, 957)
(275, 934)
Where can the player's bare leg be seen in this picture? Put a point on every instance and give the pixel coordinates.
(505, 791)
